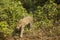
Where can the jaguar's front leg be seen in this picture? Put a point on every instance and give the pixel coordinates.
(22, 31)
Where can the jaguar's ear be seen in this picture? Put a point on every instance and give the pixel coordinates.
(17, 27)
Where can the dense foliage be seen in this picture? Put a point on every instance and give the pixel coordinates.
(46, 14)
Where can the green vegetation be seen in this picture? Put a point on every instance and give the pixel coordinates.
(46, 14)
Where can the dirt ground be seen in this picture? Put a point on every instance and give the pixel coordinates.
(37, 34)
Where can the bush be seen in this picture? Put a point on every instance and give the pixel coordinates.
(10, 13)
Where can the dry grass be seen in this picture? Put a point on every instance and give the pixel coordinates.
(37, 34)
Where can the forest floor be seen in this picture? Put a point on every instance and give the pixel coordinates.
(37, 34)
